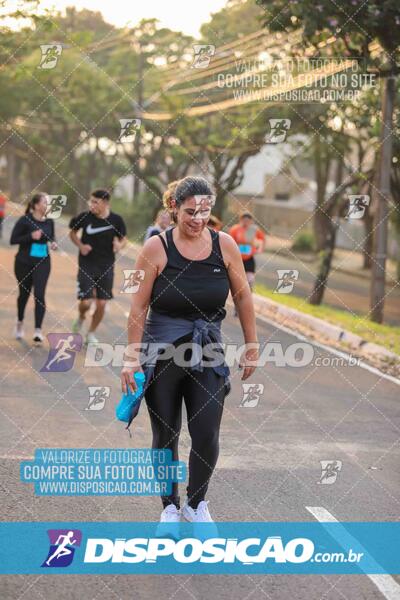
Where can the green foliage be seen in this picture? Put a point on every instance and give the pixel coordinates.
(355, 23)
(138, 215)
(237, 19)
(62, 124)
(304, 242)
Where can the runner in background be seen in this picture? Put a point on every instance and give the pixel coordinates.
(3, 201)
(160, 224)
(103, 235)
(251, 241)
(163, 220)
(33, 232)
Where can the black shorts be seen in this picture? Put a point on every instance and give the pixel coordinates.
(95, 283)
(250, 265)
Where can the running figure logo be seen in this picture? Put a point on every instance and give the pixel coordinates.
(62, 547)
(132, 279)
(357, 205)
(98, 395)
(279, 129)
(63, 347)
(329, 471)
(202, 55)
(50, 55)
(204, 205)
(55, 205)
(251, 394)
(129, 128)
(286, 280)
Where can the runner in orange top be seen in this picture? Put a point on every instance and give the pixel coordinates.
(251, 241)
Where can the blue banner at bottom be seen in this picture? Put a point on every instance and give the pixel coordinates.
(199, 548)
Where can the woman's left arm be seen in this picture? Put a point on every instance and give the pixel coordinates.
(242, 297)
(53, 243)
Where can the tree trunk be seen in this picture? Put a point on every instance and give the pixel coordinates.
(325, 265)
(377, 296)
(136, 143)
(320, 225)
(220, 198)
(13, 174)
(329, 226)
(368, 240)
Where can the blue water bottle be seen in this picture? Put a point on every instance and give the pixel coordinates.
(128, 401)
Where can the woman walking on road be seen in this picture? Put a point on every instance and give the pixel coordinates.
(188, 272)
(34, 232)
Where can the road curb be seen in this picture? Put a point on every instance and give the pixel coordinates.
(298, 320)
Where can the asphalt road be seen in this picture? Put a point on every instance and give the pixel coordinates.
(269, 462)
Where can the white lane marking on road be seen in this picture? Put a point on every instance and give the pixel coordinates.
(385, 583)
(340, 353)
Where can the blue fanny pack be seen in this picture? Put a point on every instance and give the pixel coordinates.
(39, 250)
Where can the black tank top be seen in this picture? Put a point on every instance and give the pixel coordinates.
(192, 289)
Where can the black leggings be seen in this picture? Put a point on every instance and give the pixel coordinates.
(28, 276)
(204, 394)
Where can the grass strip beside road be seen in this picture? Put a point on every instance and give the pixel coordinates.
(384, 335)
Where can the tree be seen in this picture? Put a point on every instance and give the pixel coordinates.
(156, 155)
(395, 184)
(227, 140)
(355, 26)
(215, 144)
(61, 135)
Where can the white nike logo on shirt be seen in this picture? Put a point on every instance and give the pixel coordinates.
(90, 229)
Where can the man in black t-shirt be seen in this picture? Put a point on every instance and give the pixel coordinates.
(103, 235)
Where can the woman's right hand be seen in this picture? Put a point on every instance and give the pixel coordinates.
(37, 234)
(128, 383)
(85, 249)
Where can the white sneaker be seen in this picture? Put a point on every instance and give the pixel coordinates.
(170, 514)
(91, 338)
(169, 518)
(201, 514)
(19, 331)
(77, 325)
(38, 336)
(198, 515)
